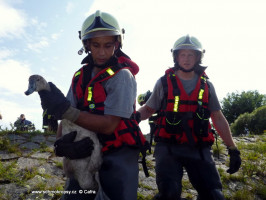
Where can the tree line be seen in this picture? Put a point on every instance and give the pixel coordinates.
(245, 112)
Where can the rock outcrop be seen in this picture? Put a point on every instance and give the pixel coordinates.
(30, 170)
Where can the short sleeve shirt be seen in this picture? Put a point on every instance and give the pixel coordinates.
(121, 91)
(156, 99)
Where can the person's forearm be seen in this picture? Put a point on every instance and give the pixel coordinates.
(222, 127)
(145, 112)
(105, 124)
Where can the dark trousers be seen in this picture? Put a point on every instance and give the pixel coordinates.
(170, 161)
(118, 176)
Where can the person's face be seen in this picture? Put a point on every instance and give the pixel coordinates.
(102, 48)
(187, 58)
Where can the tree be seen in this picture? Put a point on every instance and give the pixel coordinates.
(258, 122)
(236, 104)
(253, 123)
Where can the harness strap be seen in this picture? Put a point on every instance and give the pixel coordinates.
(87, 70)
(187, 102)
(77, 74)
(201, 91)
(164, 83)
(107, 74)
(187, 128)
(176, 91)
(100, 77)
(144, 164)
(133, 127)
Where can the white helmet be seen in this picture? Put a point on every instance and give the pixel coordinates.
(100, 24)
(187, 42)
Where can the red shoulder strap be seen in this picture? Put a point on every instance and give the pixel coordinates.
(132, 66)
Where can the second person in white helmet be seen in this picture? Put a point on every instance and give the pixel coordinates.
(186, 100)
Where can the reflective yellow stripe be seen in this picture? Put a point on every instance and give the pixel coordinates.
(176, 103)
(89, 93)
(203, 78)
(44, 113)
(201, 94)
(110, 71)
(78, 73)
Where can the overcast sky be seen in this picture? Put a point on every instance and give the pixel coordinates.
(41, 37)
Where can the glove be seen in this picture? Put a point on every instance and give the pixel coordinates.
(235, 161)
(73, 150)
(54, 101)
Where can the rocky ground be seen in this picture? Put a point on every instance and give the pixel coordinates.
(31, 168)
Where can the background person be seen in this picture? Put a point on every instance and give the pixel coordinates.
(22, 124)
(187, 100)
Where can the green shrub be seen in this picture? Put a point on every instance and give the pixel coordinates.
(254, 123)
(258, 123)
(4, 143)
(261, 191)
(241, 124)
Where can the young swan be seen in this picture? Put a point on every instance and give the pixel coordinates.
(83, 170)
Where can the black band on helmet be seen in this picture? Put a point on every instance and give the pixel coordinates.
(99, 23)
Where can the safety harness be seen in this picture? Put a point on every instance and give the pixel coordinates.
(184, 118)
(90, 96)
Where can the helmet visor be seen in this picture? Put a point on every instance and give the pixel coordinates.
(100, 33)
(187, 42)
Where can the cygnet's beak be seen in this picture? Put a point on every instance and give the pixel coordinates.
(31, 87)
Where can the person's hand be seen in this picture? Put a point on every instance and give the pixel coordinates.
(235, 160)
(65, 146)
(54, 101)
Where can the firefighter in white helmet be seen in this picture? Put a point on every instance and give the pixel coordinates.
(102, 99)
(187, 100)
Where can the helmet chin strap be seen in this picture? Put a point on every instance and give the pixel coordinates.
(178, 67)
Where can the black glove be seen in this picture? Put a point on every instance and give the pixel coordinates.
(73, 150)
(235, 161)
(54, 101)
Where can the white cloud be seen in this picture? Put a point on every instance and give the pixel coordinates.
(37, 25)
(34, 21)
(5, 53)
(69, 7)
(14, 76)
(55, 36)
(12, 21)
(39, 45)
